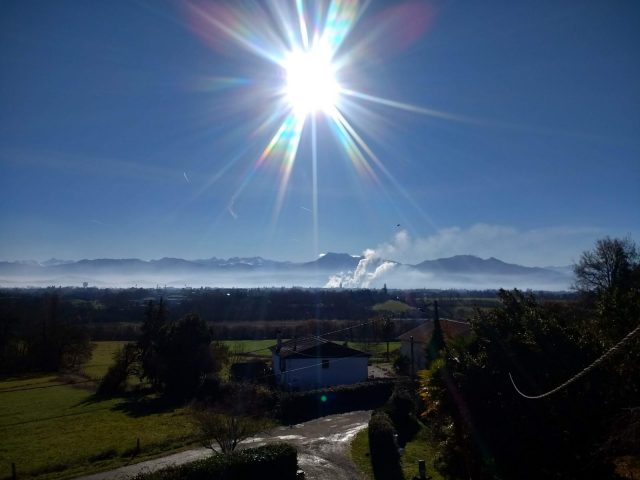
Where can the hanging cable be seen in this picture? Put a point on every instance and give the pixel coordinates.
(612, 351)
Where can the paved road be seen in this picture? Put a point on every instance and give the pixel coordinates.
(323, 449)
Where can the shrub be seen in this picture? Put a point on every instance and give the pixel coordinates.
(385, 458)
(401, 409)
(302, 406)
(248, 399)
(278, 461)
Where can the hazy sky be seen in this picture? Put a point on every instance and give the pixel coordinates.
(136, 129)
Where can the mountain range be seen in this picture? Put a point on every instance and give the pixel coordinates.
(328, 270)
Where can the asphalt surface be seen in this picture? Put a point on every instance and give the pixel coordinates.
(323, 449)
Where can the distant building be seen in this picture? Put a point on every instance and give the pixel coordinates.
(314, 362)
(422, 334)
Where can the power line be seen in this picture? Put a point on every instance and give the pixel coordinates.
(612, 351)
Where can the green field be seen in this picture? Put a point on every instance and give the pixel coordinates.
(420, 448)
(393, 306)
(101, 358)
(376, 349)
(54, 431)
(258, 348)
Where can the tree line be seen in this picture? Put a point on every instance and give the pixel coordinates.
(587, 427)
(40, 334)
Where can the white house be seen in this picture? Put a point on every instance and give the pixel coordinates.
(314, 362)
(422, 334)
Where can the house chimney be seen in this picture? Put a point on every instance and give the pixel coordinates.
(279, 344)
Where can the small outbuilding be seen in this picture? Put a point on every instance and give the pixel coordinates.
(422, 335)
(308, 363)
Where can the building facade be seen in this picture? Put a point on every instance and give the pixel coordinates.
(314, 362)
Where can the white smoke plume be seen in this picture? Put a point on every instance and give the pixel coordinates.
(369, 270)
(537, 247)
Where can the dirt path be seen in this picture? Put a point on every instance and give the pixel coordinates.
(323, 449)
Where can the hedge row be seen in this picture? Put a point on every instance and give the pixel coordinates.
(278, 461)
(302, 406)
(385, 458)
(401, 409)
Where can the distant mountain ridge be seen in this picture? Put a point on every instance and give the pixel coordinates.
(473, 264)
(257, 271)
(333, 261)
(328, 261)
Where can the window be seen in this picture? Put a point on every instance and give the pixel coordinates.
(283, 365)
(325, 363)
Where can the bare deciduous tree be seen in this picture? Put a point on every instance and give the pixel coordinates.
(226, 430)
(607, 267)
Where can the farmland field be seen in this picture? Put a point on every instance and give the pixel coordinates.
(101, 358)
(51, 430)
(260, 348)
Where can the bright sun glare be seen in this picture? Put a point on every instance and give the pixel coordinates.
(307, 45)
(311, 85)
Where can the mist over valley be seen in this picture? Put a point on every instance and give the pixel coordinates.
(330, 270)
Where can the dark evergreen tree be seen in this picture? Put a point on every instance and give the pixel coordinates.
(151, 334)
(184, 355)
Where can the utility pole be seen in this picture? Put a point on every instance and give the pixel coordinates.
(413, 367)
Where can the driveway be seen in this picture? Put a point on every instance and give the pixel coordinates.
(382, 370)
(323, 449)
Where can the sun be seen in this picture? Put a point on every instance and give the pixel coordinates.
(311, 84)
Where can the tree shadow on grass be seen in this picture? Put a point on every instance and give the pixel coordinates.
(143, 406)
(137, 404)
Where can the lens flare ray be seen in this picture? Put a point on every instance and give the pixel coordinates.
(305, 43)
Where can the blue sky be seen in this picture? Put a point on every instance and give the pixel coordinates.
(132, 129)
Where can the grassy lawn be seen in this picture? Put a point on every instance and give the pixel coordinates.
(360, 453)
(377, 349)
(245, 346)
(420, 448)
(101, 358)
(52, 431)
(59, 431)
